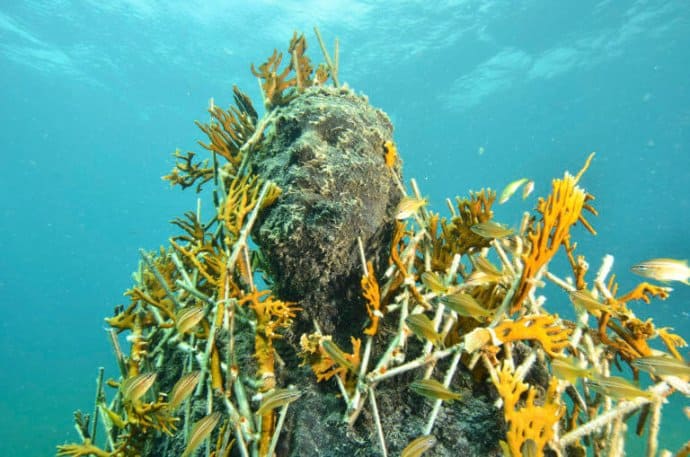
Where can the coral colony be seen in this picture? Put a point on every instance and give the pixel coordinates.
(321, 309)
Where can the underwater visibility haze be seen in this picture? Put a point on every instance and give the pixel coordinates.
(310, 279)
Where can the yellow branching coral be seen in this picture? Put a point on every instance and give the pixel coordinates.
(672, 341)
(455, 236)
(397, 246)
(243, 194)
(187, 172)
(272, 315)
(196, 232)
(560, 211)
(299, 62)
(329, 361)
(370, 290)
(631, 336)
(277, 86)
(274, 83)
(229, 130)
(83, 450)
(441, 253)
(531, 421)
(543, 328)
(644, 291)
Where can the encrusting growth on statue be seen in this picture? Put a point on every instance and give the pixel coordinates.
(321, 306)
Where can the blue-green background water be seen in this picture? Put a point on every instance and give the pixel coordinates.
(96, 95)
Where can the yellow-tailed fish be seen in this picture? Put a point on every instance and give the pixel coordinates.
(618, 388)
(337, 354)
(419, 446)
(664, 270)
(408, 206)
(435, 390)
(490, 229)
(182, 389)
(200, 431)
(567, 369)
(277, 398)
(433, 282)
(187, 318)
(135, 387)
(529, 448)
(584, 299)
(423, 328)
(510, 189)
(527, 190)
(465, 305)
(662, 365)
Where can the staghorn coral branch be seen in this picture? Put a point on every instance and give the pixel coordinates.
(333, 69)
(382, 374)
(100, 397)
(244, 233)
(377, 421)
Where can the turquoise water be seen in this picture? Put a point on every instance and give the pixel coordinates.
(95, 97)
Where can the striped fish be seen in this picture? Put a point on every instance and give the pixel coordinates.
(187, 318)
(200, 431)
(424, 328)
(277, 398)
(435, 390)
(419, 446)
(337, 354)
(135, 387)
(183, 388)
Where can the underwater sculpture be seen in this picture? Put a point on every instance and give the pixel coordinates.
(382, 328)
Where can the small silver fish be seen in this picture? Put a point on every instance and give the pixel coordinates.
(484, 265)
(183, 389)
(527, 190)
(433, 282)
(435, 390)
(491, 229)
(618, 388)
(664, 270)
(510, 189)
(465, 305)
(200, 431)
(337, 354)
(419, 446)
(567, 369)
(277, 398)
(135, 387)
(584, 299)
(408, 206)
(423, 328)
(188, 318)
(480, 278)
(662, 365)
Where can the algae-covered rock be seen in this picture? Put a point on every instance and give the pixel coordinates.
(325, 151)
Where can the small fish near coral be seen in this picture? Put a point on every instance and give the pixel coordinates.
(664, 270)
